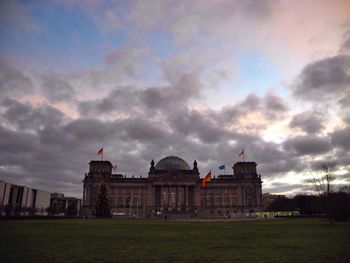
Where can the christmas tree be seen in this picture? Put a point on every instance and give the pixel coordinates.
(102, 204)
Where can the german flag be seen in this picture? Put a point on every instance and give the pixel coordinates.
(206, 179)
(100, 152)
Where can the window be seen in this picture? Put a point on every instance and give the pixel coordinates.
(136, 202)
(226, 201)
(234, 201)
(120, 201)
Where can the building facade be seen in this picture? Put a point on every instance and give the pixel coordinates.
(268, 199)
(174, 189)
(17, 200)
(61, 205)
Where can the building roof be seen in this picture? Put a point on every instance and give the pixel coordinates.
(172, 163)
(94, 162)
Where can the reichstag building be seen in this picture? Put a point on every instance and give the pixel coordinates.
(173, 189)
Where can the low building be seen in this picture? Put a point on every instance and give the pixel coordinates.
(64, 206)
(173, 189)
(17, 200)
(268, 199)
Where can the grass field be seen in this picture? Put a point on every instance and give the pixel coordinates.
(76, 240)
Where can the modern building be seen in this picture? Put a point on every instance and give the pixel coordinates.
(173, 189)
(64, 206)
(17, 200)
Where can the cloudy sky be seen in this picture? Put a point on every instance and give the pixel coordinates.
(197, 79)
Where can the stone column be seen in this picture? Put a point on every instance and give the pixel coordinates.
(243, 195)
(177, 197)
(259, 194)
(132, 197)
(149, 194)
(186, 196)
(207, 197)
(197, 197)
(214, 197)
(169, 197)
(90, 195)
(84, 194)
(230, 196)
(161, 197)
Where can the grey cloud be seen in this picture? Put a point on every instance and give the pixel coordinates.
(143, 130)
(310, 122)
(56, 88)
(26, 117)
(187, 88)
(327, 78)
(252, 102)
(230, 113)
(124, 60)
(271, 106)
(341, 138)
(285, 187)
(12, 81)
(200, 125)
(122, 98)
(276, 168)
(144, 101)
(90, 129)
(13, 142)
(345, 177)
(273, 161)
(303, 145)
(275, 103)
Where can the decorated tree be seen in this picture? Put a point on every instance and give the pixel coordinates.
(102, 204)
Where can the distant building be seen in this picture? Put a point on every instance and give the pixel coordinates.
(173, 189)
(17, 200)
(268, 199)
(64, 206)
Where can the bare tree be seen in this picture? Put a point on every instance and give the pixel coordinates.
(323, 178)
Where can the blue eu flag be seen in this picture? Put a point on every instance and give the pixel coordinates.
(222, 167)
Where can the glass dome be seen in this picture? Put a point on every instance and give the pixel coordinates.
(172, 163)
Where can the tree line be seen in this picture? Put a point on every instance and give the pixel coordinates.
(334, 205)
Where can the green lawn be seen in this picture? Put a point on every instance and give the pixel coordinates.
(76, 240)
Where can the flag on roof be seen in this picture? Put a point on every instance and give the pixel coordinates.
(222, 167)
(100, 152)
(241, 153)
(206, 179)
